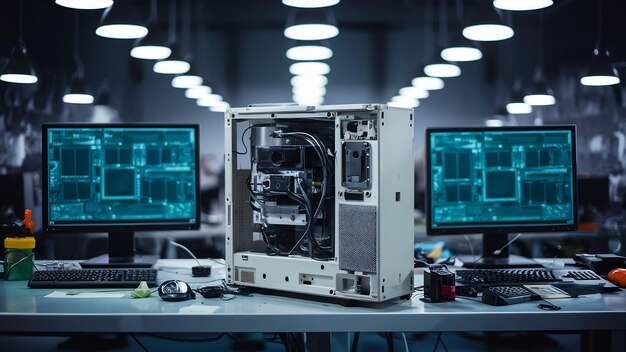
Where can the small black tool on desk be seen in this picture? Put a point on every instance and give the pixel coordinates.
(505, 295)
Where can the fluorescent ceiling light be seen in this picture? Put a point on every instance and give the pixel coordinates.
(596, 81)
(307, 97)
(186, 81)
(18, 78)
(428, 83)
(405, 102)
(311, 31)
(150, 52)
(19, 68)
(209, 100)
(494, 123)
(173, 67)
(309, 90)
(221, 106)
(414, 92)
(522, 5)
(400, 104)
(197, 92)
(72, 98)
(309, 101)
(488, 32)
(310, 4)
(85, 4)
(518, 108)
(442, 70)
(309, 81)
(461, 54)
(601, 71)
(539, 99)
(309, 52)
(122, 31)
(309, 68)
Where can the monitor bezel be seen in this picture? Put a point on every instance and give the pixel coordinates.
(500, 228)
(111, 227)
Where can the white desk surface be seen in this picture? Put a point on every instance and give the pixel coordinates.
(28, 310)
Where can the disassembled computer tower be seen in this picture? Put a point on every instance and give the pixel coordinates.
(319, 200)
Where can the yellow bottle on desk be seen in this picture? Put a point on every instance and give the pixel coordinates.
(19, 257)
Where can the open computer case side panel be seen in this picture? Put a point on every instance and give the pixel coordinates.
(371, 209)
(397, 183)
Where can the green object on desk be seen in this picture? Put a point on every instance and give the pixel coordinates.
(142, 291)
(18, 264)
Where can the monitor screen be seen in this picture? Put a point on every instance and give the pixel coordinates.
(126, 177)
(120, 178)
(501, 180)
(495, 181)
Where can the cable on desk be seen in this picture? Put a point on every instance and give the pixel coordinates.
(223, 291)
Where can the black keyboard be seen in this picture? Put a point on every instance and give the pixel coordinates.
(504, 277)
(93, 278)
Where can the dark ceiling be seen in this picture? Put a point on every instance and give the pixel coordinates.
(561, 36)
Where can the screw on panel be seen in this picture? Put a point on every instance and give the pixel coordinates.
(341, 193)
(368, 194)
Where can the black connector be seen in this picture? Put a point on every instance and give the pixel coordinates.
(200, 271)
(211, 291)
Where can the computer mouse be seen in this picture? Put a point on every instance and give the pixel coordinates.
(176, 290)
(618, 277)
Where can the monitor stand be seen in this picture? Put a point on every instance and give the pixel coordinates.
(121, 254)
(496, 255)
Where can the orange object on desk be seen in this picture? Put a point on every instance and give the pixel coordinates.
(618, 277)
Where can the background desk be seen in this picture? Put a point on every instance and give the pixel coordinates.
(28, 310)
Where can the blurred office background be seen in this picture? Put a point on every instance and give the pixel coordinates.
(238, 48)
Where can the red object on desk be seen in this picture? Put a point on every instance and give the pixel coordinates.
(448, 292)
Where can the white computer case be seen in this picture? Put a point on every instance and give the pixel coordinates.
(369, 250)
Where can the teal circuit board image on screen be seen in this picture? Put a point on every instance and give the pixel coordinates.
(121, 175)
(500, 177)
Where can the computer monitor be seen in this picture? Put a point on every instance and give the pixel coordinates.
(497, 181)
(120, 178)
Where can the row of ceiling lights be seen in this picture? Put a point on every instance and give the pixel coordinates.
(601, 72)
(309, 79)
(310, 26)
(462, 50)
(148, 46)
